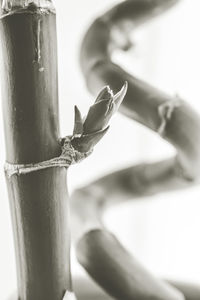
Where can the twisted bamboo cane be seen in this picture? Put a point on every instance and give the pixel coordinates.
(98, 251)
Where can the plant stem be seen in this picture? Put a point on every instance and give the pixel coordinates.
(170, 117)
(38, 201)
(119, 273)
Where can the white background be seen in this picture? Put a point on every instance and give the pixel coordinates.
(162, 231)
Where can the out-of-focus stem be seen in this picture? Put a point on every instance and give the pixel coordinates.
(190, 291)
(121, 275)
(172, 118)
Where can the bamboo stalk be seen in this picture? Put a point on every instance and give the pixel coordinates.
(88, 290)
(88, 205)
(170, 117)
(134, 182)
(104, 258)
(90, 202)
(191, 291)
(36, 156)
(38, 201)
(120, 274)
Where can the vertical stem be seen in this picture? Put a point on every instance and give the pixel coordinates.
(38, 200)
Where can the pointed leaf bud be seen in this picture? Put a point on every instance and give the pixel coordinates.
(98, 116)
(78, 124)
(119, 97)
(87, 142)
(105, 94)
(102, 110)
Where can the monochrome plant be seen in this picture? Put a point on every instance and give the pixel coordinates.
(37, 157)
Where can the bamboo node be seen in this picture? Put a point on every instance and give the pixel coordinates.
(86, 134)
(68, 157)
(165, 111)
(11, 7)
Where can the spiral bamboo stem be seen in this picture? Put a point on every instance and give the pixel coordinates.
(173, 119)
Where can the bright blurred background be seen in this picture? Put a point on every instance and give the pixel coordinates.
(161, 231)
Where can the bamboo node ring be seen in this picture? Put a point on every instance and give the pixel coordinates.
(165, 111)
(86, 134)
(69, 156)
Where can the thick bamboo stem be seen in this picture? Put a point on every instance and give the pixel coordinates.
(36, 155)
(38, 201)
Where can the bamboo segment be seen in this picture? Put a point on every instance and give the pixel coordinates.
(172, 118)
(88, 290)
(134, 182)
(190, 291)
(38, 201)
(118, 272)
(36, 156)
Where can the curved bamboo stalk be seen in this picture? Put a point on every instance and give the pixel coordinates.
(190, 291)
(118, 272)
(134, 182)
(170, 117)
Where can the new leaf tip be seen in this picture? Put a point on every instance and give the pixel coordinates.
(119, 97)
(105, 94)
(78, 124)
(123, 90)
(94, 138)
